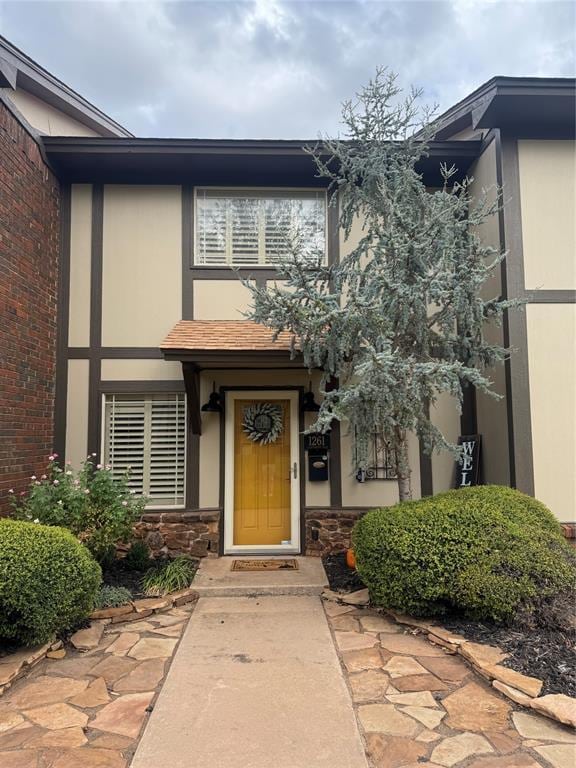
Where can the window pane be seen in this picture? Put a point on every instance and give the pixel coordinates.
(250, 227)
(147, 433)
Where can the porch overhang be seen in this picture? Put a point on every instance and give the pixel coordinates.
(223, 345)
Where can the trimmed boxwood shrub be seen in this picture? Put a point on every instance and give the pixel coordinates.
(486, 552)
(48, 581)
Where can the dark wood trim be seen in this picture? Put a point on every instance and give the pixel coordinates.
(115, 353)
(425, 463)
(192, 470)
(94, 404)
(514, 323)
(230, 273)
(192, 384)
(468, 417)
(335, 465)
(551, 296)
(62, 322)
(187, 252)
(139, 387)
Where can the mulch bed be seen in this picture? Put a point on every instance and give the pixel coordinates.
(544, 653)
(340, 577)
(117, 575)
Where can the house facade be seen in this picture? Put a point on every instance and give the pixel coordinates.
(147, 361)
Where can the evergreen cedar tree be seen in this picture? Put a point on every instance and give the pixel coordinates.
(401, 318)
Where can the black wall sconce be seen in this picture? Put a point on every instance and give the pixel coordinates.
(309, 405)
(214, 404)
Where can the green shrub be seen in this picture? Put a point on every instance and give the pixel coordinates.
(112, 597)
(138, 557)
(95, 505)
(485, 552)
(48, 581)
(176, 574)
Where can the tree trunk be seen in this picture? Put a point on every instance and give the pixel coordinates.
(403, 467)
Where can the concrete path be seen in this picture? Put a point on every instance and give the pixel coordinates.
(256, 683)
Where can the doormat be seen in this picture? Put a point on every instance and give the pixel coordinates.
(288, 564)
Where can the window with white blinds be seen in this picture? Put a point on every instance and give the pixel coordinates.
(147, 433)
(251, 228)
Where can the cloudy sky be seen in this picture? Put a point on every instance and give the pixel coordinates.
(280, 68)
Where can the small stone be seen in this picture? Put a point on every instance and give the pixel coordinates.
(482, 655)
(134, 616)
(66, 738)
(59, 654)
(184, 596)
(446, 636)
(532, 726)
(56, 716)
(152, 603)
(368, 685)
(519, 760)
(558, 755)
(9, 720)
(166, 620)
(360, 597)
(72, 666)
(85, 639)
(392, 751)
(174, 631)
(345, 624)
(46, 690)
(329, 595)
(528, 685)
(504, 742)
(410, 645)
(379, 624)
(417, 699)
(456, 748)
(446, 668)
(419, 683)
(88, 757)
(145, 677)
(473, 708)
(356, 661)
(112, 741)
(153, 648)
(428, 737)
(111, 613)
(386, 719)
(431, 718)
(353, 641)
(9, 671)
(16, 737)
(135, 626)
(511, 693)
(558, 707)
(332, 609)
(125, 715)
(24, 759)
(448, 647)
(95, 695)
(56, 645)
(400, 666)
(112, 668)
(123, 643)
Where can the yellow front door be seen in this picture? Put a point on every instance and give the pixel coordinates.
(262, 480)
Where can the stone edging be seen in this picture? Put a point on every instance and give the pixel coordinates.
(485, 661)
(19, 664)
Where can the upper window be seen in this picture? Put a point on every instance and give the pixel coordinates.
(252, 227)
(147, 435)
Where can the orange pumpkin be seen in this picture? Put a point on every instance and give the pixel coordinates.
(350, 558)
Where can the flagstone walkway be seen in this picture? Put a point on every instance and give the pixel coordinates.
(418, 706)
(87, 710)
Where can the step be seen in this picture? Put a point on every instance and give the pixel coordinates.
(215, 578)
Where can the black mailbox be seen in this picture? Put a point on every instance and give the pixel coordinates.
(318, 447)
(317, 465)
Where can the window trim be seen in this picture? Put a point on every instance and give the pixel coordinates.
(107, 392)
(268, 266)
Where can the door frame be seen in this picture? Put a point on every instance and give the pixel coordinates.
(271, 393)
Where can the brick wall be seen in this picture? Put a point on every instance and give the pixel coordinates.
(29, 236)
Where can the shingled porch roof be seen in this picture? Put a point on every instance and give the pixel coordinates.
(189, 336)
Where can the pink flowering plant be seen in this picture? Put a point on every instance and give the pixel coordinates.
(96, 506)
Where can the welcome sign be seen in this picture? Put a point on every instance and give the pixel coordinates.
(468, 466)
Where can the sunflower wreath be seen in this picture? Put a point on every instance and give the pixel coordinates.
(262, 422)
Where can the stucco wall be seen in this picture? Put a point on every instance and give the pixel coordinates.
(220, 300)
(77, 412)
(548, 200)
(46, 118)
(80, 257)
(142, 264)
(552, 367)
